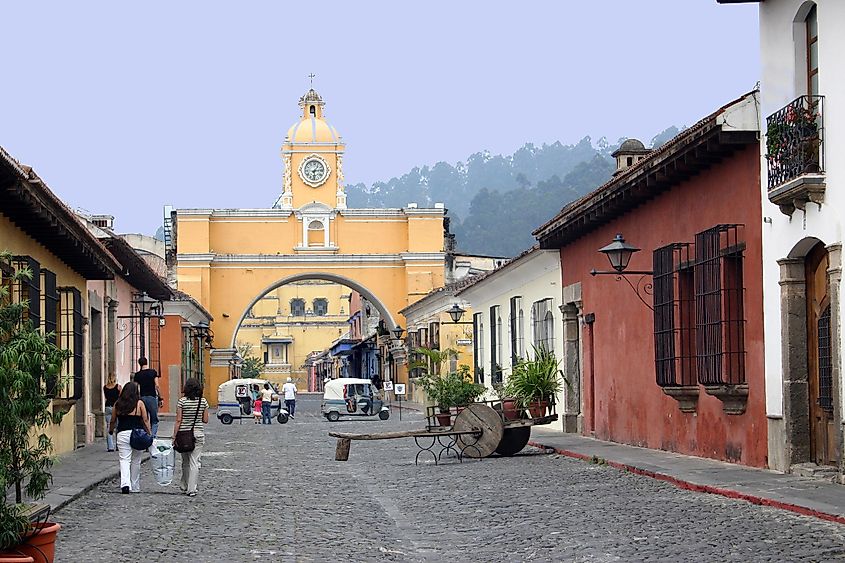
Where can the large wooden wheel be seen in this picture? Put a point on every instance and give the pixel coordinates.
(487, 422)
(513, 440)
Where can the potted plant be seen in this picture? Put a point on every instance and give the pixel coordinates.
(467, 391)
(535, 382)
(27, 361)
(445, 390)
(510, 406)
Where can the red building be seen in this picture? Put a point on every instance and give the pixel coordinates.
(669, 354)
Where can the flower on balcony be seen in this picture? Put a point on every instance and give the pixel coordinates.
(796, 126)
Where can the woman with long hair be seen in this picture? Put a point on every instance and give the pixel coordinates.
(111, 392)
(191, 414)
(129, 413)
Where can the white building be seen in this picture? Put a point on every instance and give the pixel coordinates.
(517, 307)
(803, 193)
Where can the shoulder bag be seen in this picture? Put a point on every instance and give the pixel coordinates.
(140, 439)
(184, 441)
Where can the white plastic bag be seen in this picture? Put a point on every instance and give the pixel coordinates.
(163, 460)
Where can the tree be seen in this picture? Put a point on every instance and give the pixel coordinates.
(252, 366)
(28, 359)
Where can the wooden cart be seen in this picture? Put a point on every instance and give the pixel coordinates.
(476, 431)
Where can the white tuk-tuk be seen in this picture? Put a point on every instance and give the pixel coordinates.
(348, 396)
(235, 398)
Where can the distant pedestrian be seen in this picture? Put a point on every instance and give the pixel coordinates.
(146, 378)
(266, 402)
(289, 390)
(111, 391)
(191, 414)
(129, 413)
(256, 410)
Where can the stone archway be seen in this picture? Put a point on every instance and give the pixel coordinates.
(324, 276)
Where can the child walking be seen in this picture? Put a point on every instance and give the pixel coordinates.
(256, 410)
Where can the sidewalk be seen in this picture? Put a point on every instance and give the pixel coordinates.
(811, 497)
(803, 495)
(79, 471)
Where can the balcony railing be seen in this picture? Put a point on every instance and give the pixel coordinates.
(795, 140)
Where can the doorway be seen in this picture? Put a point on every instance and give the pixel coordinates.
(819, 358)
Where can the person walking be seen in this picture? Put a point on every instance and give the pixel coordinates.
(111, 391)
(129, 413)
(289, 390)
(266, 403)
(191, 414)
(146, 378)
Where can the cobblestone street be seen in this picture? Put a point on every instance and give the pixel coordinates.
(276, 493)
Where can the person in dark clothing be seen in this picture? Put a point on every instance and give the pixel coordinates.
(129, 414)
(147, 380)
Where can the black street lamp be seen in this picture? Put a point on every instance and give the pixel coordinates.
(145, 305)
(456, 312)
(204, 332)
(619, 255)
(397, 332)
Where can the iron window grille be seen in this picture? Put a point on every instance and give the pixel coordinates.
(297, 307)
(719, 309)
(71, 339)
(49, 304)
(321, 306)
(478, 346)
(825, 362)
(434, 342)
(674, 316)
(28, 289)
(515, 319)
(542, 319)
(6, 275)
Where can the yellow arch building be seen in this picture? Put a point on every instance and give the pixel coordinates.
(228, 259)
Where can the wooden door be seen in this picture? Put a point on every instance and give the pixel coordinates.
(823, 433)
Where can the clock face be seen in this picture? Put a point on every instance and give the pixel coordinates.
(314, 171)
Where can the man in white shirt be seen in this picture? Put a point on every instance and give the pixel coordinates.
(289, 390)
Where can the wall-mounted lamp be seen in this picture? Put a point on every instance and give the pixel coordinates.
(456, 312)
(397, 332)
(619, 255)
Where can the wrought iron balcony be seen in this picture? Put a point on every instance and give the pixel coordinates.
(795, 146)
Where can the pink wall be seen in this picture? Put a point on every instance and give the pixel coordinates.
(629, 406)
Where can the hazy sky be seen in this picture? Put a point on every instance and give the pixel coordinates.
(123, 107)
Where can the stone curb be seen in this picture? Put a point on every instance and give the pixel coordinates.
(57, 500)
(690, 486)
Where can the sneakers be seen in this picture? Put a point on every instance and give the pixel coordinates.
(192, 494)
(124, 490)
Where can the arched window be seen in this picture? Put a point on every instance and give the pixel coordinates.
(313, 111)
(316, 233)
(811, 24)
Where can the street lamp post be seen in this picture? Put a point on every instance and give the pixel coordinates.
(146, 305)
(619, 255)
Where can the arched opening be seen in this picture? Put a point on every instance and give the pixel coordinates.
(314, 326)
(313, 111)
(316, 233)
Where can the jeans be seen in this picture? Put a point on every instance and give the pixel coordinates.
(151, 402)
(109, 437)
(191, 466)
(265, 413)
(290, 405)
(130, 462)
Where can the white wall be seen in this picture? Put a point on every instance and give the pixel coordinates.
(534, 277)
(783, 81)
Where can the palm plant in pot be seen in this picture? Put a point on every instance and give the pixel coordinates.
(28, 359)
(535, 381)
(445, 390)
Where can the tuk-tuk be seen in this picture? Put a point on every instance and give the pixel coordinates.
(348, 396)
(236, 396)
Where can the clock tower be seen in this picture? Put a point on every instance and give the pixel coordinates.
(313, 159)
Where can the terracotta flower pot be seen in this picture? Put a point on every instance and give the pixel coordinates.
(12, 557)
(510, 409)
(444, 419)
(40, 545)
(538, 409)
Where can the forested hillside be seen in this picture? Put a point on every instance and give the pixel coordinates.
(496, 201)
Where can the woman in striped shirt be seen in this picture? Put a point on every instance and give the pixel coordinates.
(191, 412)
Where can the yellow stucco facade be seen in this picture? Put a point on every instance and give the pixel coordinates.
(18, 243)
(292, 321)
(228, 259)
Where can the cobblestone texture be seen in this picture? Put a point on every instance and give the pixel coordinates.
(275, 493)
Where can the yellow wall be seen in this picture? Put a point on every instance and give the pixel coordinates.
(15, 241)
